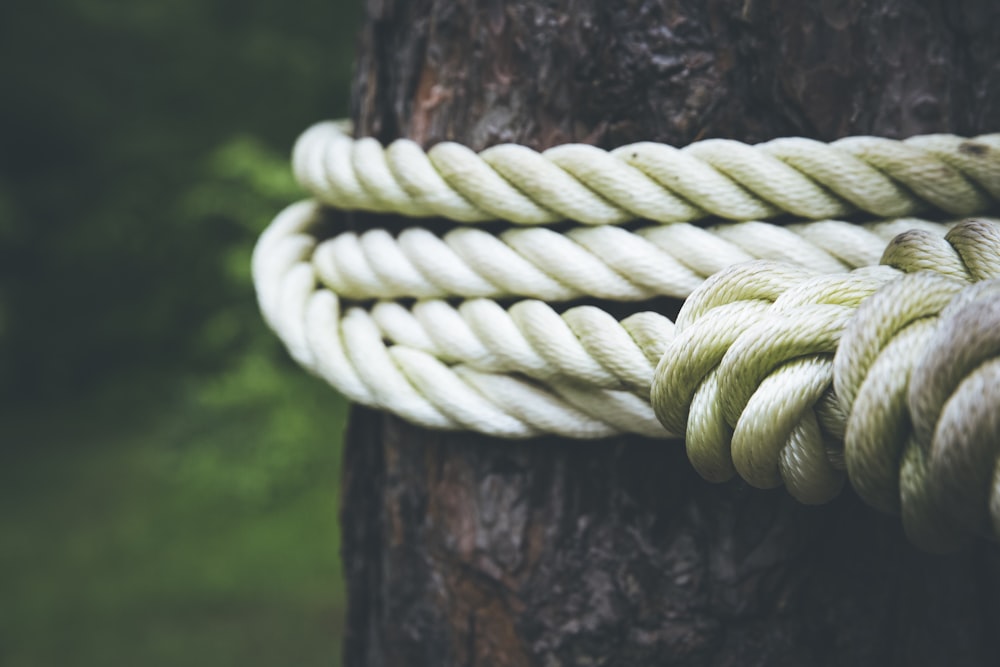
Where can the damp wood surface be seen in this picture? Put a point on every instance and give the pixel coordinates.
(464, 550)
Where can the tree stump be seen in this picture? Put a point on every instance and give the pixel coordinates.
(466, 550)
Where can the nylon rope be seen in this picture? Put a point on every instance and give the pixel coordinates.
(807, 349)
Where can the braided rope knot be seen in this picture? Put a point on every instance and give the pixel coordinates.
(889, 373)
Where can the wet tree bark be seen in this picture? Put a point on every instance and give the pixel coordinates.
(463, 550)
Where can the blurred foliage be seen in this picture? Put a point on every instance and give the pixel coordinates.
(197, 531)
(169, 495)
(142, 141)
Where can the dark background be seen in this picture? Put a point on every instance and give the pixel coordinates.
(169, 484)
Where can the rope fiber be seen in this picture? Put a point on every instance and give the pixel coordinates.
(823, 346)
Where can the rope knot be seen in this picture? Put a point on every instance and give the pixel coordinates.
(747, 376)
(903, 374)
(784, 376)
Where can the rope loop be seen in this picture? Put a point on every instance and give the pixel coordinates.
(820, 347)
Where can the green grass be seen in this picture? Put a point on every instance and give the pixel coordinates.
(196, 526)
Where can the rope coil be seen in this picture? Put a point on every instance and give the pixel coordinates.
(779, 369)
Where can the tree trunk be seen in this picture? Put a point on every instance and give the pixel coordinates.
(465, 550)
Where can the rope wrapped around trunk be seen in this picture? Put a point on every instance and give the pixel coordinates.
(824, 343)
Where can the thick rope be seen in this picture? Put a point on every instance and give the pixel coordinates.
(349, 350)
(772, 368)
(779, 369)
(724, 178)
(603, 262)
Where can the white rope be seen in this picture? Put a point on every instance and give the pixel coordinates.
(433, 361)
(795, 356)
(603, 262)
(652, 181)
(349, 350)
(783, 376)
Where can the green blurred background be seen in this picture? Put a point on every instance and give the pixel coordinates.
(169, 488)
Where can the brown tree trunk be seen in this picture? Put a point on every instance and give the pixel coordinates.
(464, 550)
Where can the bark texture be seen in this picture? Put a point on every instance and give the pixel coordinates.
(464, 550)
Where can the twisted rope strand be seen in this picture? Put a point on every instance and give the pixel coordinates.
(725, 178)
(601, 262)
(348, 349)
